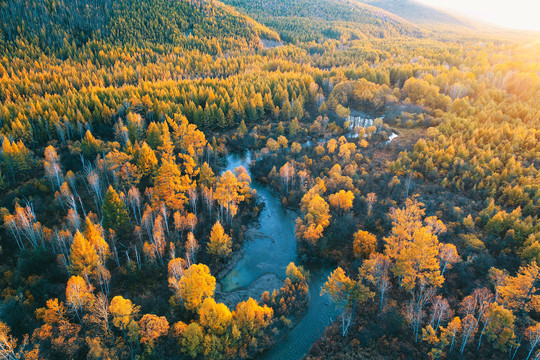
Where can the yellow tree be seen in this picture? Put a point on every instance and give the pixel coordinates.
(123, 311)
(413, 247)
(146, 160)
(187, 137)
(206, 176)
(448, 256)
(522, 291)
(219, 245)
(251, 318)
(244, 179)
(193, 285)
(228, 194)
(214, 317)
(342, 200)
(83, 256)
(152, 327)
(170, 186)
(57, 334)
(419, 262)
(93, 234)
(345, 292)
(500, 326)
(78, 295)
(316, 214)
(364, 244)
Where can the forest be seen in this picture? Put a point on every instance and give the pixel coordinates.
(293, 179)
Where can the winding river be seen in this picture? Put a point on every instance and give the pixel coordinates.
(275, 249)
(271, 254)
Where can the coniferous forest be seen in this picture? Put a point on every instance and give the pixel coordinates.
(281, 179)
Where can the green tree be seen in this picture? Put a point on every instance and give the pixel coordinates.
(115, 213)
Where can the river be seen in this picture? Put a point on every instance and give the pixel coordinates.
(272, 254)
(274, 251)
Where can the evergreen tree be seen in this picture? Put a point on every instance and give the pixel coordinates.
(115, 213)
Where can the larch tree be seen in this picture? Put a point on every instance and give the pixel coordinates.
(146, 160)
(207, 178)
(219, 245)
(93, 233)
(83, 256)
(170, 186)
(153, 136)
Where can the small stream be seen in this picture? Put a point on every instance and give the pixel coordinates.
(272, 254)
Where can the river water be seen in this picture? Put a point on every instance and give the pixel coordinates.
(272, 254)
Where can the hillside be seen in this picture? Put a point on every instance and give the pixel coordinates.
(307, 20)
(53, 24)
(421, 14)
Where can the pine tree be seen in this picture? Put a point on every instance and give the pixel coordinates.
(115, 213)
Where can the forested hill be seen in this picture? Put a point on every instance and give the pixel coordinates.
(208, 25)
(421, 14)
(307, 20)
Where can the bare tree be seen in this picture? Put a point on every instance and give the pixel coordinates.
(440, 311)
(134, 201)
